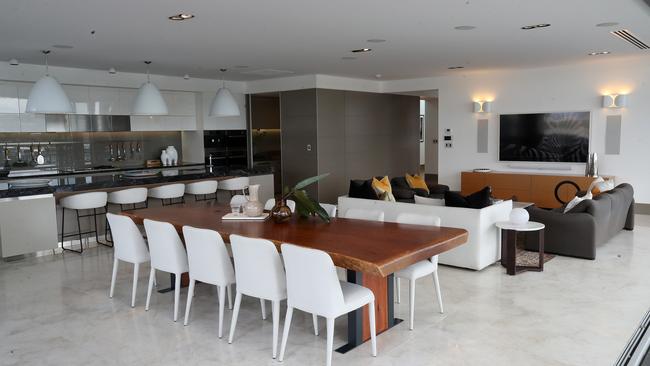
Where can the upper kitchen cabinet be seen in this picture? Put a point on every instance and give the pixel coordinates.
(180, 103)
(125, 98)
(78, 96)
(29, 122)
(103, 100)
(9, 98)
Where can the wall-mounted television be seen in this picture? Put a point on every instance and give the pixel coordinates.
(549, 137)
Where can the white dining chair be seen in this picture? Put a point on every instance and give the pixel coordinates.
(362, 214)
(420, 269)
(202, 188)
(129, 247)
(167, 255)
(209, 263)
(329, 208)
(314, 287)
(270, 203)
(259, 273)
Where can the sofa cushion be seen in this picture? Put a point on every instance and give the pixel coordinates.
(403, 194)
(383, 189)
(362, 189)
(417, 182)
(478, 199)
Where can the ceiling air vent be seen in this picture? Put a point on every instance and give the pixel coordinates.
(627, 36)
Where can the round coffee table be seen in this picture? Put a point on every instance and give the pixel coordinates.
(508, 236)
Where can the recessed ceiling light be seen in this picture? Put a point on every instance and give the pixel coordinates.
(378, 76)
(14, 62)
(362, 50)
(348, 58)
(535, 26)
(606, 24)
(112, 71)
(465, 27)
(376, 40)
(186, 76)
(456, 67)
(598, 53)
(181, 17)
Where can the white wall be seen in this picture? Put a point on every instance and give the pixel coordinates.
(575, 87)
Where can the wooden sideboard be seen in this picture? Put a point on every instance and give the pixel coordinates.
(526, 187)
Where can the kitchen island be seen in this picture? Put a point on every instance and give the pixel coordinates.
(27, 200)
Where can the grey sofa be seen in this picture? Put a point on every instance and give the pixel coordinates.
(589, 224)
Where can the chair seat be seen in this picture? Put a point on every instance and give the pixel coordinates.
(417, 270)
(355, 296)
(203, 187)
(167, 191)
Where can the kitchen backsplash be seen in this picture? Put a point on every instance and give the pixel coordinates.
(79, 150)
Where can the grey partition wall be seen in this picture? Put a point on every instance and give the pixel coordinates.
(299, 143)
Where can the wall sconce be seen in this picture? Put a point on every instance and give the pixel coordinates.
(614, 101)
(482, 106)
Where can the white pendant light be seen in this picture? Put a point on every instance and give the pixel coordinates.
(47, 95)
(224, 104)
(149, 101)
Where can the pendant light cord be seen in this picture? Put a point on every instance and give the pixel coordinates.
(223, 81)
(47, 68)
(148, 76)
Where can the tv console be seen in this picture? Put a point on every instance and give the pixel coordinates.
(538, 188)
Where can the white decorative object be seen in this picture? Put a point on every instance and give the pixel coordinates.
(224, 104)
(47, 95)
(172, 155)
(519, 216)
(253, 207)
(482, 107)
(164, 158)
(149, 101)
(615, 101)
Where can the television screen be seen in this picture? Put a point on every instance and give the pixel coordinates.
(552, 137)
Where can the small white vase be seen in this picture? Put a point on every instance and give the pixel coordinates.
(253, 207)
(164, 158)
(172, 155)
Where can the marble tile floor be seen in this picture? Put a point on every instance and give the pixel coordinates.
(55, 310)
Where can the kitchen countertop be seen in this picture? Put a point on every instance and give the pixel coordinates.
(110, 179)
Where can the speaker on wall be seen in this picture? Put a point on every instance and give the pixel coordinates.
(482, 136)
(613, 135)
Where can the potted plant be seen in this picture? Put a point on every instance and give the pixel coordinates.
(305, 205)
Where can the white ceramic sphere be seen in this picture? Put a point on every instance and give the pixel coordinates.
(519, 216)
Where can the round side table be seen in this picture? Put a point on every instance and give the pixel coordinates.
(509, 245)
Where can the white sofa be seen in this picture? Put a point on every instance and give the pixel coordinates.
(482, 247)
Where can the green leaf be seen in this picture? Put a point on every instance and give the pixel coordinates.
(304, 183)
(307, 206)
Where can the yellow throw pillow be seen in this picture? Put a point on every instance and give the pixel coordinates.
(383, 189)
(417, 181)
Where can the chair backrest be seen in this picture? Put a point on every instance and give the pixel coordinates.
(202, 187)
(258, 268)
(167, 191)
(165, 247)
(238, 199)
(83, 201)
(128, 196)
(235, 184)
(208, 257)
(329, 208)
(127, 239)
(271, 202)
(312, 283)
(361, 214)
(419, 219)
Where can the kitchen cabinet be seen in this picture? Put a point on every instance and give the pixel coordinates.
(103, 100)
(9, 98)
(162, 123)
(78, 96)
(125, 98)
(180, 103)
(29, 122)
(10, 122)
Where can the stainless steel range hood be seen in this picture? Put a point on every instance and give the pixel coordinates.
(86, 123)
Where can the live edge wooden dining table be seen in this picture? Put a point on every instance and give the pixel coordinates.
(370, 251)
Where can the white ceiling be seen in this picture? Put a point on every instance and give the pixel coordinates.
(310, 37)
